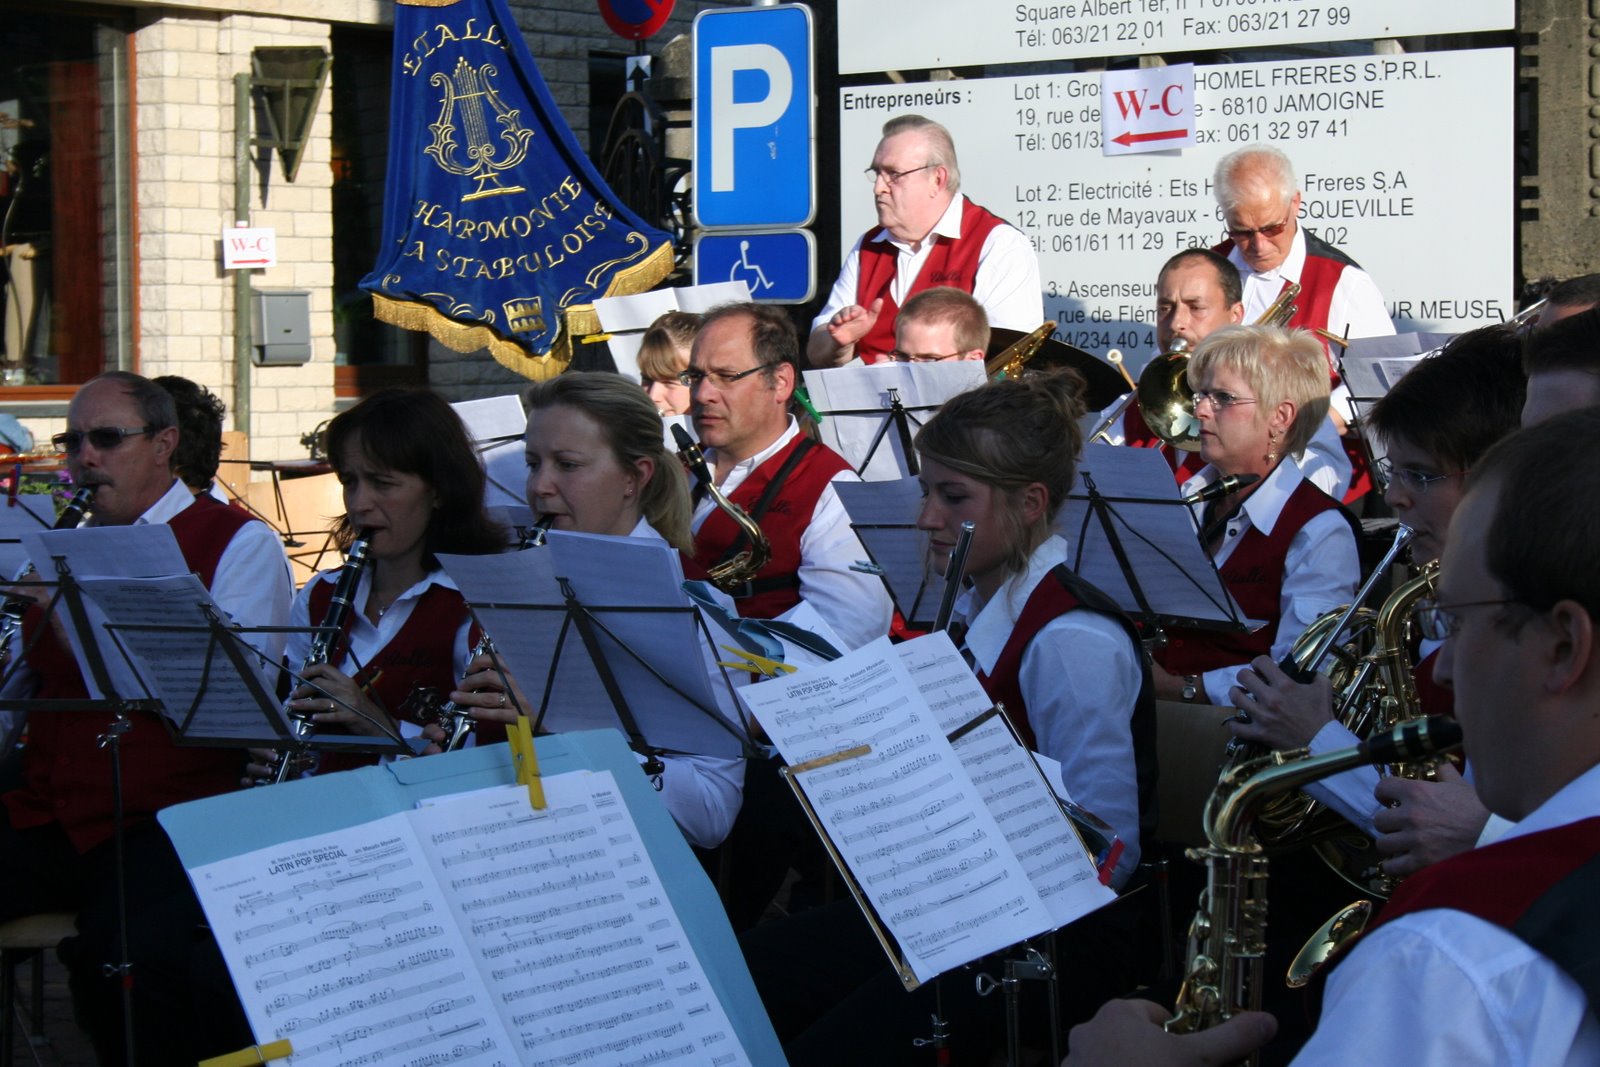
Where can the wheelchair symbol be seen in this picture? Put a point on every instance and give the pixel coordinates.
(753, 275)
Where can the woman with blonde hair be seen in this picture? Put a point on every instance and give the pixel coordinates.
(1285, 549)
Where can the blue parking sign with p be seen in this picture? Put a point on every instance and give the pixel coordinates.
(754, 127)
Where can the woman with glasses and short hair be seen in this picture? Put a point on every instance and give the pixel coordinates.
(1285, 549)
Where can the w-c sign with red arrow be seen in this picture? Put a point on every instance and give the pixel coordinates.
(1149, 110)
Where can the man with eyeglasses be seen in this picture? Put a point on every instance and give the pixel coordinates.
(742, 373)
(1486, 957)
(940, 325)
(56, 829)
(927, 235)
(1259, 199)
(1436, 424)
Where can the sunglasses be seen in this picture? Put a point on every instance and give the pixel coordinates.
(102, 437)
(1265, 231)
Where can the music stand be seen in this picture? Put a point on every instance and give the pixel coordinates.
(599, 633)
(884, 516)
(1371, 365)
(862, 406)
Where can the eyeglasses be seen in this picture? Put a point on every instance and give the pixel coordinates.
(891, 177)
(722, 379)
(1265, 231)
(1219, 399)
(102, 437)
(1437, 621)
(908, 357)
(1413, 479)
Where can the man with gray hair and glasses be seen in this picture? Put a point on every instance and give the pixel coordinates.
(927, 235)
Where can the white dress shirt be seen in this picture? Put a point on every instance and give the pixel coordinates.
(1356, 305)
(1007, 282)
(1320, 569)
(1445, 987)
(856, 605)
(1079, 678)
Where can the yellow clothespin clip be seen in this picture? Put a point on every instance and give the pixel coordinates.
(526, 761)
(250, 1057)
(594, 338)
(760, 666)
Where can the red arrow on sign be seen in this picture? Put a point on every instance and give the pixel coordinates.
(1126, 139)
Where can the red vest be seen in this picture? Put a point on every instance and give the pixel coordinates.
(1539, 886)
(66, 776)
(1056, 595)
(782, 503)
(420, 656)
(950, 262)
(1254, 575)
(1136, 433)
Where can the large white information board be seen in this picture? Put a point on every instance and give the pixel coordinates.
(1405, 162)
(876, 35)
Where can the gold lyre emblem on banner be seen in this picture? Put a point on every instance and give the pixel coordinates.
(465, 92)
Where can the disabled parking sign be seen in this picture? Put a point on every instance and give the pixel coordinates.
(778, 266)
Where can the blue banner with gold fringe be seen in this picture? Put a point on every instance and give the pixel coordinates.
(499, 231)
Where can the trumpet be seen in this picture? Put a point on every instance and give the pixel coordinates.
(1165, 399)
(728, 575)
(14, 608)
(339, 607)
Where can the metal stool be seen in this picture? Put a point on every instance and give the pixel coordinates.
(19, 937)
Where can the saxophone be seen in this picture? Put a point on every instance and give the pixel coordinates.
(1382, 695)
(1227, 938)
(729, 575)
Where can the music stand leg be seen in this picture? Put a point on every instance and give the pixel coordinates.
(939, 1041)
(111, 740)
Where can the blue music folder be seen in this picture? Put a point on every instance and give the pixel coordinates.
(219, 827)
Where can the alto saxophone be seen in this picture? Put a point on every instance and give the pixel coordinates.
(731, 574)
(1227, 939)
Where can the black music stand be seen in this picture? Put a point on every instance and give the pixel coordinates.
(1133, 537)
(884, 517)
(886, 397)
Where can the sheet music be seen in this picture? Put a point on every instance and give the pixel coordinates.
(884, 516)
(626, 318)
(473, 928)
(145, 551)
(23, 513)
(921, 387)
(610, 576)
(1061, 870)
(909, 821)
(1178, 579)
(179, 660)
(496, 425)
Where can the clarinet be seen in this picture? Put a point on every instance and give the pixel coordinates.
(455, 720)
(344, 593)
(14, 608)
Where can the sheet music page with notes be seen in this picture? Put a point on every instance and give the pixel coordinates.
(908, 819)
(1038, 831)
(474, 928)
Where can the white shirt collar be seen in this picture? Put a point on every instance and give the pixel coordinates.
(1263, 506)
(745, 466)
(177, 498)
(949, 225)
(988, 632)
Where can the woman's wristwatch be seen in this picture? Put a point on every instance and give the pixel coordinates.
(1191, 689)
